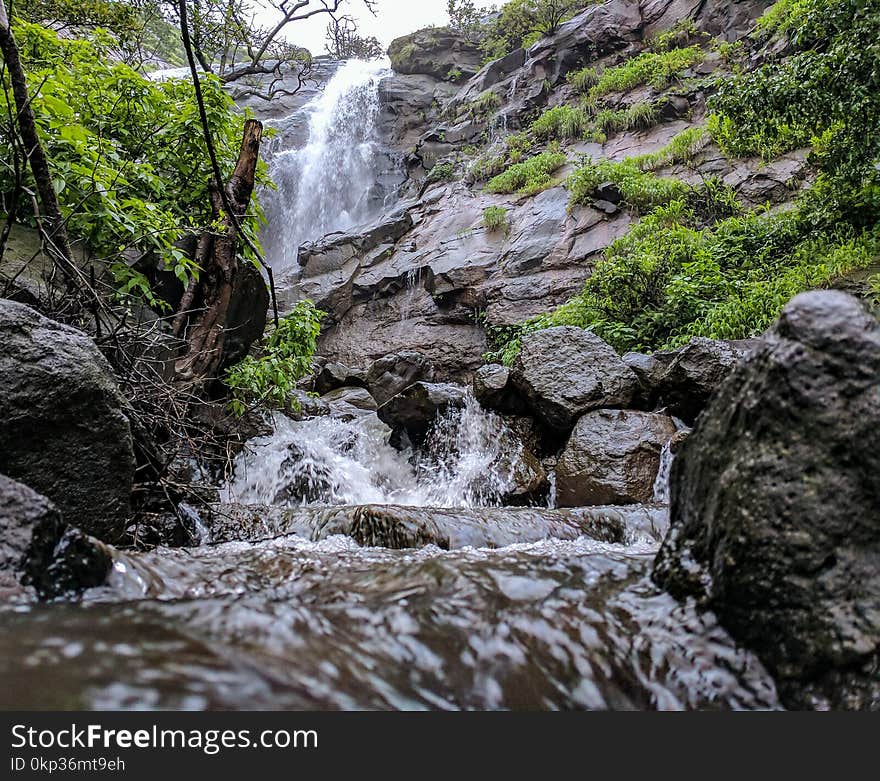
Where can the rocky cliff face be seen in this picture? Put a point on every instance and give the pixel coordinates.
(430, 275)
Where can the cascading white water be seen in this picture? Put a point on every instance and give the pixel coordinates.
(469, 460)
(329, 184)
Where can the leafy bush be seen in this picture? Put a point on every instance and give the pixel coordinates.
(529, 177)
(669, 279)
(824, 94)
(658, 69)
(442, 172)
(495, 218)
(127, 154)
(639, 189)
(522, 23)
(271, 377)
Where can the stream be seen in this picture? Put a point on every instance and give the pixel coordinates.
(500, 610)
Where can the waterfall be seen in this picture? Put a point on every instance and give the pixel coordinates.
(469, 460)
(331, 183)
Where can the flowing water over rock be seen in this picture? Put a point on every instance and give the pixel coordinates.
(332, 182)
(469, 460)
(311, 614)
(350, 574)
(295, 624)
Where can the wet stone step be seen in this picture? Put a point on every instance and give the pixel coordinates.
(399, 527)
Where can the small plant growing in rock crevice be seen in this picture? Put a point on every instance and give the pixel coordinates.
(442, 172)
(529, 177)
(495, 219)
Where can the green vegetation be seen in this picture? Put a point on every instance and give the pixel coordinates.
(529, 177)
(484, 104)
(522, 23)
(516, 147)
(561, 123)
(569, 123)
(676, 37)
(127, 155)
(683, 148)
(641, 190)
(669, 280)
(442, 172)
(659, 69)
(638, 116)
(271, 377)
(582, 80)
(697, 264)
(824, 95)
(495, 218)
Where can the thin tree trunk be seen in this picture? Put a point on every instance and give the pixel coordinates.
(39, 163)
(206, 331)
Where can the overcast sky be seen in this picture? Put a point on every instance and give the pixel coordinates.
(393, 18)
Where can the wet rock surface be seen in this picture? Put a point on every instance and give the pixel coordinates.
(395, 372)
(438, 52)
(494, 390)
(64, 431)
(612, 457)
(30, 528)
(775, 497)
(564, 372)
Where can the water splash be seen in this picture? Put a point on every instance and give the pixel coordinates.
(329, 184)
(470, 459)
(661, 484)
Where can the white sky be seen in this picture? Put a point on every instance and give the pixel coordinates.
(393, 18)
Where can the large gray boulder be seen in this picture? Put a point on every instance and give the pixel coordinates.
(63, 431)
(395, 372)
(685, 379)
(436, 51)
(612, 457)
(494, 390)
(30, 528)
(775, 506)
(564, 372)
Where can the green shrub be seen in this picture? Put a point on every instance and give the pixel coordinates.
(442, 172)
(529, 177)
(495, 218)
(658, 69)
(516, 147)
(823, 95)
(126, 154)
(676, 37)
(639, 189)
(484, 104)
(522, 23)
(271, 377)
(669, 279)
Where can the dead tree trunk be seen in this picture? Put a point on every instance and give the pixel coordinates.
(209, 298)
(56, 232)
